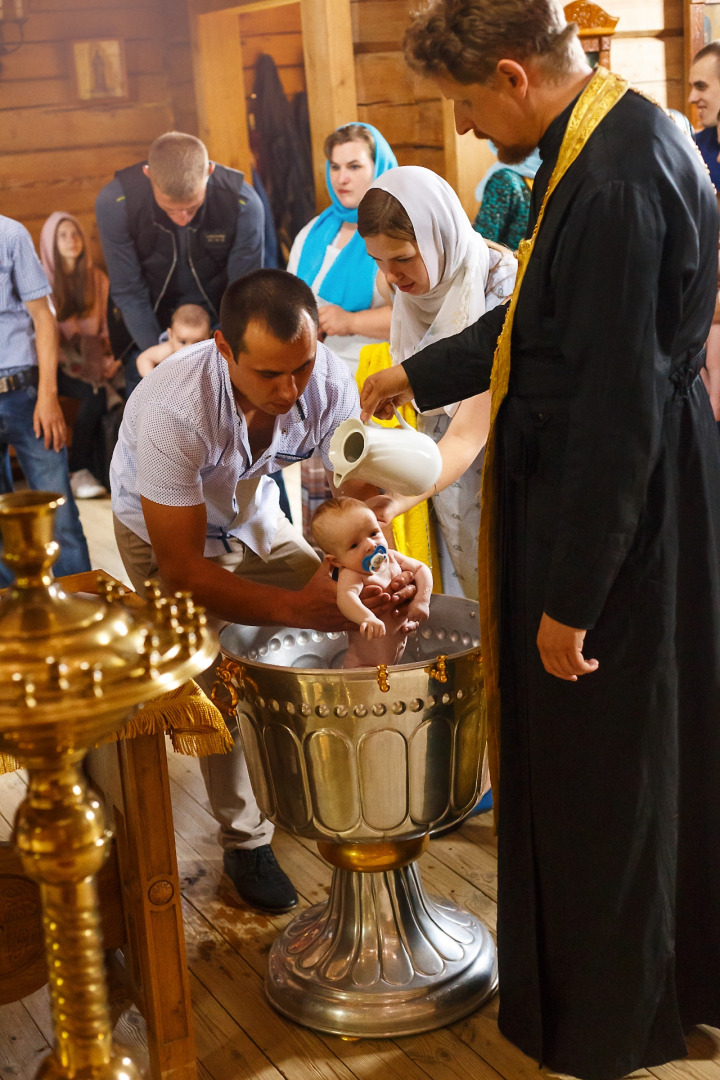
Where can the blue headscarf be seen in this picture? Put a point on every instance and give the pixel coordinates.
(349, 281)
(526, 168)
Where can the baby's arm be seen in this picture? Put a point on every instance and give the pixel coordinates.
(419, 606)
(153, 356)
(349, 587)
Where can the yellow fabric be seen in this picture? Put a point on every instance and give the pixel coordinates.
(412, 532)
(186, 714)
(601, 94)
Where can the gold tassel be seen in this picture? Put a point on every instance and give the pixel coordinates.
(187, 715)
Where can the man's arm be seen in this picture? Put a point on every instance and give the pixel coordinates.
(177, 535)
(450, 370)
(246, 254)
(48, 420)
(127, 284)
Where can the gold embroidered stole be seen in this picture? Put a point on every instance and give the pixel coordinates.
(600, 95)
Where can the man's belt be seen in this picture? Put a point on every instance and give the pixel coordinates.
(18, 381)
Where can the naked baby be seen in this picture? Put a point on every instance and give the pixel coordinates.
(348, 531)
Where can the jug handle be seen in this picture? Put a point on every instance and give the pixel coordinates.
(403, 423)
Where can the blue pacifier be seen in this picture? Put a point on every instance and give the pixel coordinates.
(374, 561)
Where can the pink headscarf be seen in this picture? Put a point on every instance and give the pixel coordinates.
(94, 323)
(47, 243)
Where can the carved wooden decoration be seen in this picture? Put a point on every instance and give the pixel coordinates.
(595, 28)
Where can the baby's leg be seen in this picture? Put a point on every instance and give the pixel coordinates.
(369, 653)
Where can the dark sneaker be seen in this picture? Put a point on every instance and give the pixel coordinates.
(258, 878)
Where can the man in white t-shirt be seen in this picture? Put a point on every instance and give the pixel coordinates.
(193, 503)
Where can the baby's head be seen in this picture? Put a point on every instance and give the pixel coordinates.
(348, 532)
(190, 325)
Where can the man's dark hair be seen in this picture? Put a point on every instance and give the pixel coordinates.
(273, 297)
(466, 39)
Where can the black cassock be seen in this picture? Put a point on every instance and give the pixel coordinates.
(609, 829)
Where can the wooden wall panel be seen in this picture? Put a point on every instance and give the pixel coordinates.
(277, 32)
(58, 151)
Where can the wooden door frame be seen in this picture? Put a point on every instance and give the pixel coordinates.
(329, 76)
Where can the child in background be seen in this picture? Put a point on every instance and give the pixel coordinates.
(190, 324)
(348, 531)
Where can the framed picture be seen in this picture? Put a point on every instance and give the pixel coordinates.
(711, 21)
(100, 73)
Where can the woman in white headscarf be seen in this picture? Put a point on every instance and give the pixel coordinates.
(444, 276)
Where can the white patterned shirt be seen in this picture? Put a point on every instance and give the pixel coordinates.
(183, 442)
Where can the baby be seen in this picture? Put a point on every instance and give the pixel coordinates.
(190, 324)
(348, 531)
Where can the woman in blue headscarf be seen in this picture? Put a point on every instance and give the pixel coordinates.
(328, 254)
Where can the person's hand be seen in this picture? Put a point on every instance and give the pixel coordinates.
(335, 320)
(372, 627)
(385, 507)
(110, 367)
(49, 422)
(561, 650)
(383, 392)
(315, 606)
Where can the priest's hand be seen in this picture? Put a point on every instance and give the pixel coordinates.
(383, 392)
(561, 650)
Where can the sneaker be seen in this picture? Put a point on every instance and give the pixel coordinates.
(85, 486)
(259, 880)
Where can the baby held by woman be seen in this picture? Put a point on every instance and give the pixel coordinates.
(348, 532)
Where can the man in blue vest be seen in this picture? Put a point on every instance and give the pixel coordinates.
(175, 230)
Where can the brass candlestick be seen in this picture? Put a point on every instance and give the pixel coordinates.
(71, 669)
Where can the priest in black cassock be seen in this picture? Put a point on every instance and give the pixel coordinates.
(600, 545)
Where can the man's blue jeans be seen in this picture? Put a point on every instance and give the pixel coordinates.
(45, 470)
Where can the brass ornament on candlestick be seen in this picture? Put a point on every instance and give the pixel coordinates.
(72, 668)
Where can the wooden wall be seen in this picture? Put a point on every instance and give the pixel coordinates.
(404, 108)
(277, 32)
(648, 48)
(57, 152)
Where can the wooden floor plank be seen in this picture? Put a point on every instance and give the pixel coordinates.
(234, 984)
(224, 1050)
(22, 1045)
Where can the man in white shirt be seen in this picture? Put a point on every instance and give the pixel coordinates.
(194, 503)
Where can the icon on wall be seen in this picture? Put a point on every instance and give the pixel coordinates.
(711, 21)
(100, 73)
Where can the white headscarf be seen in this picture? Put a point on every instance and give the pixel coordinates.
(455, 256)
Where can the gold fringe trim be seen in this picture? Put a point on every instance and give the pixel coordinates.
(195, 726)
(187, 715)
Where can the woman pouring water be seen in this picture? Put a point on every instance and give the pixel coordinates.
(445, 275)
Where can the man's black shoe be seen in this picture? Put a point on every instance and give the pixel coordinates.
(258, 878)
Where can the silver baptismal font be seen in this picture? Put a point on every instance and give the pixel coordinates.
(368, 762)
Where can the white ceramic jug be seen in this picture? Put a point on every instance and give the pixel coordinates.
(396, 459)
